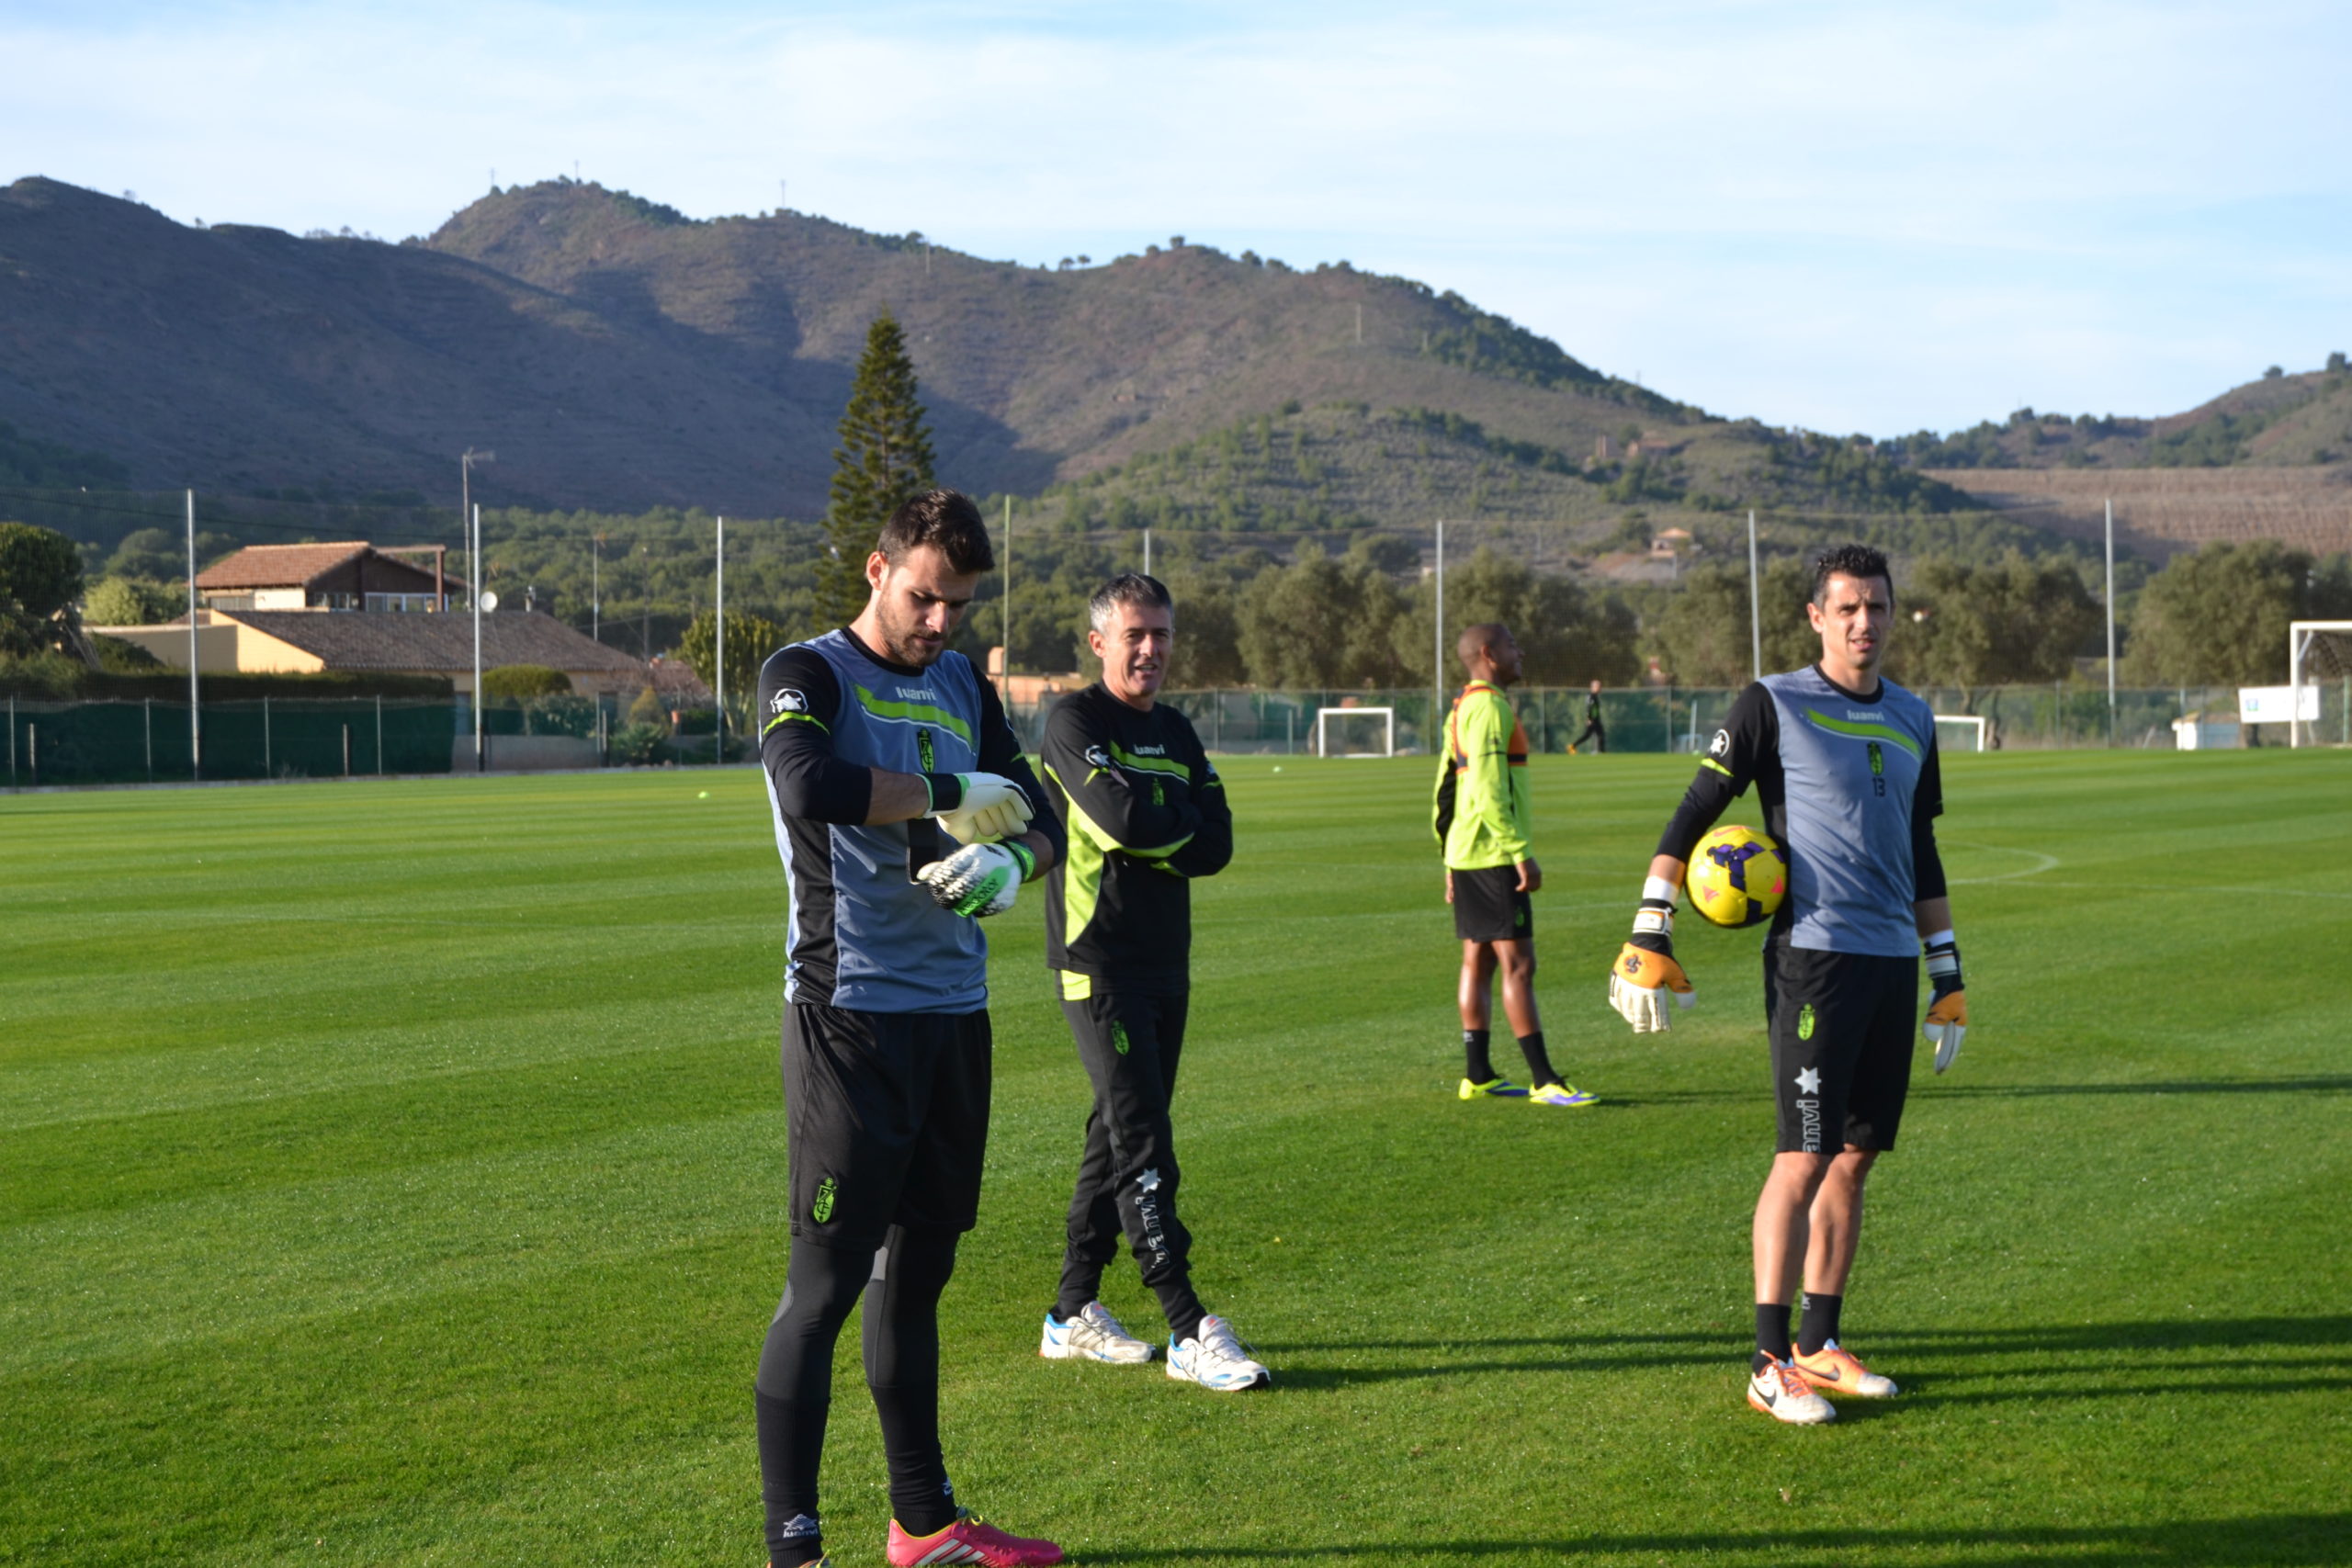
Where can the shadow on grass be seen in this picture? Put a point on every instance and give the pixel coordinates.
(2322, 1083)
(2285, 1540)
(2162, 1346)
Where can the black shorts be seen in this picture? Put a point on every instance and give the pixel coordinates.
(888, 1117)
(1842, 1025)
(1488, 905)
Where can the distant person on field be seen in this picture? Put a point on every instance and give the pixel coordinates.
(1481, 819)
(1144, 813)
(901, 805)
(1846, 772)
(1592, 725)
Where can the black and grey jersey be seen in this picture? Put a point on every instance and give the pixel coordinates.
(1851, 787)
(862, 933)
(1145, 814)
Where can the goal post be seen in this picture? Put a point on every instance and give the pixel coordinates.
(2318, 653)
(1323, 717)
(1964, 728)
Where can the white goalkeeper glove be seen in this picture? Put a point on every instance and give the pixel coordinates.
(1946, 1020)
(992, 807)
(979, 880)
(1645, 970)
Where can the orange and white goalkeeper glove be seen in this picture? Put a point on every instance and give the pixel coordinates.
(1645, 971)
(1946, 1020)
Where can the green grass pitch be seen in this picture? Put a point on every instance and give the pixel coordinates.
(393, 1174)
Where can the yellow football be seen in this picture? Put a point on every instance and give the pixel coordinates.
(1737, 876)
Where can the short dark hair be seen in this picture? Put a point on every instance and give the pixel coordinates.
(1128, 588)
(949, 522)
(1857, 561)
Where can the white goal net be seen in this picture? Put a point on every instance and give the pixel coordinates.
(1960, 732)
(2319, 674)
(1355, 732)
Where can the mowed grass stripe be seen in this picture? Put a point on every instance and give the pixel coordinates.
(480, 1274)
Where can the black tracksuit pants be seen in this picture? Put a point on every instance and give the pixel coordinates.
(1129, 1042)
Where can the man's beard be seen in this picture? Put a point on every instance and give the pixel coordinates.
(899, 645)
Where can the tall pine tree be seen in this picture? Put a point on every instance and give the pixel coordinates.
(883, 462)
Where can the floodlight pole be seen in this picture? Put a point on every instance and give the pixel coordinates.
(470, 523)
(1755, 603)
(195, 730)
(1437, 670)
(473, 556)
(1007, 692)
(2111, 620)
(718, 749)
(595, 588)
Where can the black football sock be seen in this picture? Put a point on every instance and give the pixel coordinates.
(901, 1333)
(1771, 1334)
(1820, 1325)
(1477, 1066)
(795, 1393)
(1539, 1063)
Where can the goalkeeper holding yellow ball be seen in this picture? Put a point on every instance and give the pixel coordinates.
(1845, 769)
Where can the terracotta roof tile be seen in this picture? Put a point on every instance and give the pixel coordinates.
(435, 645)
(277, 566)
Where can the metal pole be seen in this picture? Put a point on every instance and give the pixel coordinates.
(719, 747)
(1008, 597)
(346, 751)
(1146, 552)
(1755, 602)
(595, 587)
(268, 765)
(473, 561)
(2111, 620)
(1437, 688)
(147, 722)
(194, 732)
(379, 733)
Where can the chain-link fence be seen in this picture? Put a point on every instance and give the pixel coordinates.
(1682, 719)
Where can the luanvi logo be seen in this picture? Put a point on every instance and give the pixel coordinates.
(1096, 757)
(822, 1210)
(1721, 745)
(788, 701)
(918, 694)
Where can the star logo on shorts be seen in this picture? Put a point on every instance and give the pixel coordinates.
(1809, 1081)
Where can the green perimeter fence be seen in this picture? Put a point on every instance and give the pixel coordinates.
(148, 741)
(282, 738)
(1671, 719)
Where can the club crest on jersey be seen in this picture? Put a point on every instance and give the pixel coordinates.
(1805, 1021)
(822, 1209)
(788, 701)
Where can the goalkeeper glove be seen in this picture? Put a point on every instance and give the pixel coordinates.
(989, 806)
(979, 880)
(1947, 1021)
(1646, 968)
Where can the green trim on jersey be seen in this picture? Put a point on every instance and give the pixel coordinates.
(914, 713)
(1101, 835)
(1133, 764)
(788, 717)
(1853, 731)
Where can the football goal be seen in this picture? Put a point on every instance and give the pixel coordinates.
(1354, 734)
(1960, 732)
(2319, 665)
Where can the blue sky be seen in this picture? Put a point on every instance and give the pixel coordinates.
(1875, 218)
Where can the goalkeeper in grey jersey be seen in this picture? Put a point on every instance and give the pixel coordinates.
(1844, 768)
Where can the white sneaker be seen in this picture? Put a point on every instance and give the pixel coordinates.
(1215, 1359)
(1093, 1336)
(1781, 1393)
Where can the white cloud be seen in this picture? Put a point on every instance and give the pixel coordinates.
(1845, 215)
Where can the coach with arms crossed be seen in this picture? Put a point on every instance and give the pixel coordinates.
(875, 739)
(1145, 813)
(1845, 767)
